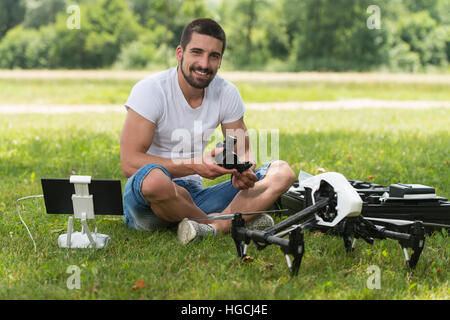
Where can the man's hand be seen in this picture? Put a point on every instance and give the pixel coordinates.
(206, 167)
(244, 180)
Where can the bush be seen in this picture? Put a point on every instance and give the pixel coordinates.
(12, 13)
(14, 46)
(27, 48)
(135, 55)
(42, 12)
(148, 51)
(424, 37)
(401, 58)
(278, 35)
(38, 50)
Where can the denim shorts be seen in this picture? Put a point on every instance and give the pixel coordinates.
(138, 214)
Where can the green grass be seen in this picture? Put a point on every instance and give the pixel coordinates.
(332, 91)
(390, 145)
(85, 91)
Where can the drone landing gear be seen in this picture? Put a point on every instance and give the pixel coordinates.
(358, 227)
(332, 208)
(350, 229)
(416, 243)
(294, 246)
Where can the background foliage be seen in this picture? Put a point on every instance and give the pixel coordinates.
(271, 35)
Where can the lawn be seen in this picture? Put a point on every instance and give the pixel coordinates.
(113, 91)
(384, 146)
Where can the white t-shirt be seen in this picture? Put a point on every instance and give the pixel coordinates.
(182, 131)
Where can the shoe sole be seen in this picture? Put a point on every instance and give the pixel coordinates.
(186, 232)
(251, 224)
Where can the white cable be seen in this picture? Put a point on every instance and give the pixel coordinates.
(18, 211)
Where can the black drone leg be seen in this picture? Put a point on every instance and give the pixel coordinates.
(296, 248)
(348, 243)
(239, 238)
(240, 248)
(348, 228)
(416, 242)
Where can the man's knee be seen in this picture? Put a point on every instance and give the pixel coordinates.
(157, 186)
(281, 176)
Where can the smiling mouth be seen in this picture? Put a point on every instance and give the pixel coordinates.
(202, 74)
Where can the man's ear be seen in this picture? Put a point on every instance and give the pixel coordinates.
(179, 53)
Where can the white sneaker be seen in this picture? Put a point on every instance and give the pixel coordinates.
(261, 222)
(189, 230)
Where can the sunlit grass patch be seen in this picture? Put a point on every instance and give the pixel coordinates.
(387, 145)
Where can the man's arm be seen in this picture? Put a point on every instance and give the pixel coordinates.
(136, 139)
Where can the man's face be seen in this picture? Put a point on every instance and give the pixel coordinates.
(200, 60)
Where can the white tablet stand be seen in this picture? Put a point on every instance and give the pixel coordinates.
(83, 208)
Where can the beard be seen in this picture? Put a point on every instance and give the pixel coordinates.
(196, 82)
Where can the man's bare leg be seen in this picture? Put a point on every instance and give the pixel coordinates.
(168, 201)
(173, 203)
(278, 179)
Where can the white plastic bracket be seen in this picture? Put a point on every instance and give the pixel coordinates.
(82, 201)
(83, 209)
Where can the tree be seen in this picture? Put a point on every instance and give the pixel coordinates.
(336, 37)
(431, 6)
(106, 26)
(13, 47)
(42, 12)
(12, 13)
(170, 16)
(246, 33)
(424, 37)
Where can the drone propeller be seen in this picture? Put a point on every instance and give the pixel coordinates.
(231, 216)
(408, 222)
(396, 222)
(439, 225)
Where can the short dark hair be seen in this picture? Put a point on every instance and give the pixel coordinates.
(203, 26)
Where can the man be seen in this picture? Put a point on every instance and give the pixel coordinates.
(177, 110)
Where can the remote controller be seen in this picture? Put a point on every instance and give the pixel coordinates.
(228, 158)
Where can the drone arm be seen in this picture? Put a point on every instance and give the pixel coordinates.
(384, 233)
(299, 216)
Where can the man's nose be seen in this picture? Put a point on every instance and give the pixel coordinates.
(204, 61)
